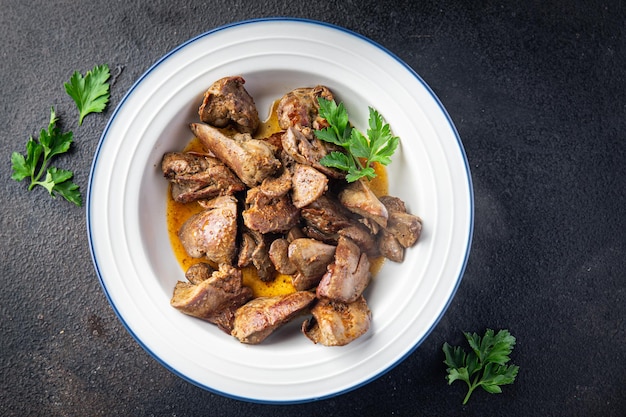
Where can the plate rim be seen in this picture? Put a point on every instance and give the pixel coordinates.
(257, 21)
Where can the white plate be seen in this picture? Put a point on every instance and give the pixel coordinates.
(127, 197)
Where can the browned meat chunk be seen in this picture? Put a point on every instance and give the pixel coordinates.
(326, 215)
(402, 231)
(310, 257)
(214, 299)
(335, 323)
(393, 204)
(299, 218)
(405, 227)
(254, 252)
(294, 233)
(308, 150)
(275, 142)
(361, 235)
(257, 319)
(194, 176)
(299, 108)
(199, 272)
(370, 224)
(251, 159)
(277, 186)
(308, 185)
(267, 214)
(358, 198)
(389, 246)
(326, 219)
(279, 254)
(212, 232)
(348, 276)
(227, 103)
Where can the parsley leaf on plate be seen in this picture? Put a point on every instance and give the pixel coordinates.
(361, 151)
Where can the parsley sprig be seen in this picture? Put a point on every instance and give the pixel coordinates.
(485, 366)
(91, 95)
(91, 92)
(35, 165)
(362, 151)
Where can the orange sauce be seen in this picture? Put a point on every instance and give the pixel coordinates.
(269, 126)
(178, 213)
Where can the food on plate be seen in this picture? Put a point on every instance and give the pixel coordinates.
(300, 108)
(212, 233)
(349, 274)
(335, 323)
(310, 258)
(198, 177)
(227, 103)
(257, 319)
(292, 204)
(251, 159)
(214, 299)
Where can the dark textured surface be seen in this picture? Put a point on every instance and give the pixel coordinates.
(537, 91)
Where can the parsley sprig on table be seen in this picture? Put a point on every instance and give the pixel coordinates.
(485, 366)
(362, 151)
(36, 164)
(91, 92)
(91, 95)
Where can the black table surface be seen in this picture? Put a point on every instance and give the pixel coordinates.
(537, 92)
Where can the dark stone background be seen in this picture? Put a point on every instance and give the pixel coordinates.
(537, 92)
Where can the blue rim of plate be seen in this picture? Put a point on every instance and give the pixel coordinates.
(328, 26)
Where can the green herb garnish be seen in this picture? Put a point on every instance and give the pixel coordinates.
(362, 151)
(36, 163)
(90, 93)
(485, 366)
